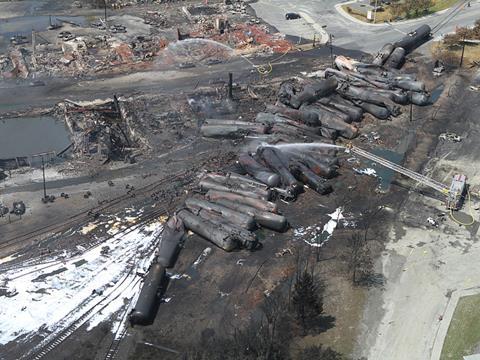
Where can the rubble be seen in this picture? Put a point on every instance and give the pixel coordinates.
(103, 129)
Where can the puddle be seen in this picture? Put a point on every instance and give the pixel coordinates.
(435, 95)
(384, 174)
(28, 136)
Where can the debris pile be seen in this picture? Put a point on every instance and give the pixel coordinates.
(329, 106)
(104, 129)
(14, 66)
(235, 203)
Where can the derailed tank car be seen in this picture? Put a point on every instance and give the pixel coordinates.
(146, 307)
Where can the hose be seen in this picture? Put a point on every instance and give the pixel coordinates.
(471, 213)
(267, 68)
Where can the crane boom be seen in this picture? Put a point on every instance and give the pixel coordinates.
(454, 192)
(402, 170)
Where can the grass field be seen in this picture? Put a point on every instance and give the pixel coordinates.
(385, 15)
(452, 56)
(463, 334)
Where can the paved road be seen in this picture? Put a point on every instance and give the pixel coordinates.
(347, 33)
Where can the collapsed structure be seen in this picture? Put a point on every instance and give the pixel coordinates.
(103, 129)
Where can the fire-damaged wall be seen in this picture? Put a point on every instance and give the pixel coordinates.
(104, 129)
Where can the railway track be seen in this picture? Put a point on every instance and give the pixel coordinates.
(120, 334)
(42, 351)
(144, 221)
(46, 346)
(86, 214)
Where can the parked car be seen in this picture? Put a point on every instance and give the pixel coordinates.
(292, 16)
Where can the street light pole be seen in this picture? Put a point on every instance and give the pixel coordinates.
(105, 7)
(44, 185)
(330, 43)
(375, 12)
(463, 51)
(331, 48)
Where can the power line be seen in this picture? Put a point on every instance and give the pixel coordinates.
(449, 16)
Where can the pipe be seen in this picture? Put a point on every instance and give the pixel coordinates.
(244, 221)
(230, 86)
(266, 219)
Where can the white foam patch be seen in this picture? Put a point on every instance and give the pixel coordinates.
(317, 236)
(367, 171)
(50, 297)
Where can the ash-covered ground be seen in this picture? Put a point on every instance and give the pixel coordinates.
(72, 268)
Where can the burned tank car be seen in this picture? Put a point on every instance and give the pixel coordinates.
(145, 309)
(170, 242)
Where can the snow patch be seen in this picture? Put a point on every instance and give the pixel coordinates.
(53, 295)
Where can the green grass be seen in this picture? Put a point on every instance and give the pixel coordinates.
(442, 5)
(385, 15)
(464, 331)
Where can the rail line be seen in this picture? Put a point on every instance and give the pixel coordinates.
(85, 214)
(41, 350)
(119, 334)
(144, 221)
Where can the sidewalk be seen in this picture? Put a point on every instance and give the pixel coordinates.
(338, 8)
(447, 318)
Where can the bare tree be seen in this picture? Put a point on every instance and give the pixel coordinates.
(360, 262)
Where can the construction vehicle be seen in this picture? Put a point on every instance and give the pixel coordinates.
(455, 193)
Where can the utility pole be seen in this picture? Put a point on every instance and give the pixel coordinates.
(411, 112)
(375, 12)
(230, 86)
(44, 185)
(33, 43)
(463, 51)
(331, 48)
(105, 6)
